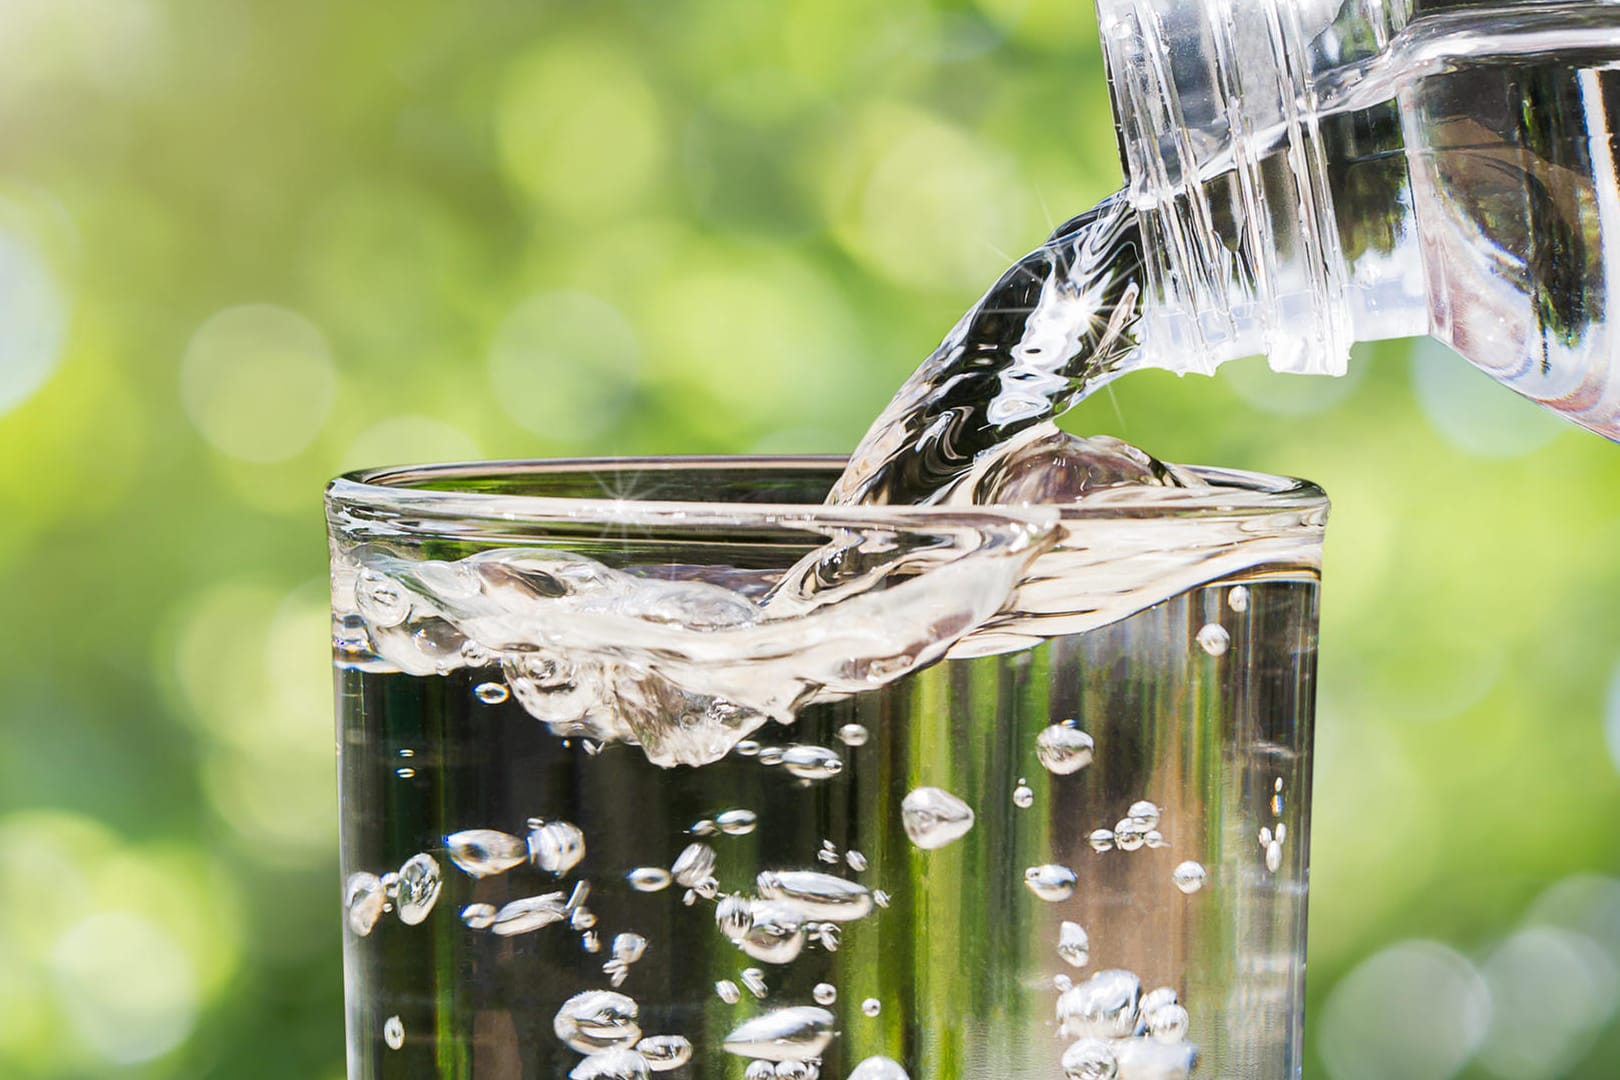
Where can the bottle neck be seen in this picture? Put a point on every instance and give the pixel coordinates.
(1238, 177)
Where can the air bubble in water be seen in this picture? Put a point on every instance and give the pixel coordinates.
(598, 1020)
(753, 979)
(853, 735)
(737, 822)
(1064, 748)
(824, 993)
(406, 773)
(1274, 854)
(818, 895)
(791, 1034)
(364, 899)
(628, 947)
(879, 1068)
(1090, 1059)
(1167, 1023)
(482, 852)
(528, 914)
(734, 915)
(618, 1063)
(1189, 877)
(581, 918)
(1158, 999)
(771, 755)
(1101, 840)
(746, 748)
(1214, 639)
(880, 898)
(417, 889)
(693, 865)
(1051, 882)
(382, 601)
(556, 846)
(1144, 813)
(727, 991)
(394, 1032)
(812, 762)
(1129, 835)
(590, 942)
(649, 879)
(871, 1006)
(478, 916)
(776, 933)
(934, 817)
(1154, 839)
(1023, 796)
(705, 827)
(1265, 837)
(759, 1070)
(1238, 599)
(1074, 945)
(1103, 1007)
(828, 853)
(665, 1052)
(856, 861)
(793, 1069)
(1277, 805)
(825, 934)
(491, 693)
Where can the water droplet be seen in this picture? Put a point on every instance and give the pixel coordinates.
(775, 934)
(1101, 840)
(382, 601)
(759, 1070)
(1051, 882)
(1102, 1007)
(598, 1020)
(728, 992)
(491, 693)
(394, 1032)
(818, 895)
(871, 1006)
(1189, 877)
(824, 993)
(737, 822)
(628, 947)
(619, 1063)
(417, 889)
(1129, 835)
(1154, 839)
(1214, 639)
(746, 748)
(1023, 797)
(665, 1052)
(812, 762)
(693, 865)
(1090, 1059)
(1238, 599)
(649, 879)
(1274, 853)
(734, 915)
(1064, 749)
(478, 916)
(934, 817)
(856, 861)
(364, 900)
(879, 1068)
(794, 1033)
(1144, 813)
(482, 852)
(1074, 945)
(753, 979)
(1167, 1023)
(528, 914)
(556, 846)
(853, 735)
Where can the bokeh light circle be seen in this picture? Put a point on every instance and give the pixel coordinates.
(563, 365)
(257, 381)
(1415, 1011)
(1552, 990)
(126, 986)
(34, 315)
(1472, 411)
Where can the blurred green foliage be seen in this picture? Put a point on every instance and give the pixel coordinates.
(247, 244)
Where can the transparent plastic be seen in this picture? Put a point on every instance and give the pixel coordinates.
(1312, 173)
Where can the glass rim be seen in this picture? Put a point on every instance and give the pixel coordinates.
(407, 491)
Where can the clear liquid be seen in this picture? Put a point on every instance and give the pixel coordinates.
(956, 975)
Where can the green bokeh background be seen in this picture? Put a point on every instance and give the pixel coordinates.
(247, 244)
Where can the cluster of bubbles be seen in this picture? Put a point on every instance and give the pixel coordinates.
(604, 1026)
(410, 892)
(1272, 837)
(1117, 1031)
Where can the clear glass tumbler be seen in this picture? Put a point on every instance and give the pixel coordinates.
(1001, 792)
